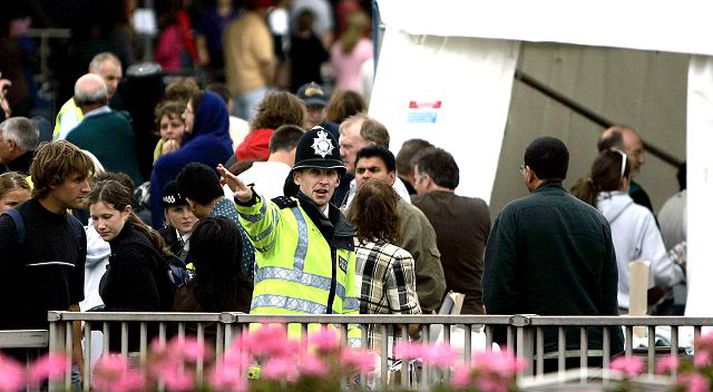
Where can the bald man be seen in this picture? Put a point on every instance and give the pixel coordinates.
(626, 139)
(69, 116)
(105, 133)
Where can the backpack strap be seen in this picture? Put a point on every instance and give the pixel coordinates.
(19, 224)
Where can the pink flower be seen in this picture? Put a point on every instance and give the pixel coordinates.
(362, 361)
(157, 347)
(702, 358)
(173, 372)
(629, 366)
(409, 350)
(226, 378)
(667, 364)
(112, 374)
(439, 355)
(503, 363)
(280, 369)
(11, 374)
(190, 349)
(693, 382)
(236, 360)
(312, 365)
(178, 380)
(269, 341)
(325, 340)
(49, 367)
(461, 376)
(492, 384)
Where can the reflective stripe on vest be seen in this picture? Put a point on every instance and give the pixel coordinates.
(287, 303)
(255, 217)
(351, 304)
(303, 278)
(302, 236)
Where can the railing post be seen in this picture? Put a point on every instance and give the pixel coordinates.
(524, 341)
(58, 331)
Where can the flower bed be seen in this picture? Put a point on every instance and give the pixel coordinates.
(266, 359)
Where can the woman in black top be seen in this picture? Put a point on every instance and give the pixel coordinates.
(219, 284)
(137, 277)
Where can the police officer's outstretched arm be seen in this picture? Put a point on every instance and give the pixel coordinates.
(241, 191)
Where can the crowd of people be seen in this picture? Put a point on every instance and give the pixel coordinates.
(269, 201)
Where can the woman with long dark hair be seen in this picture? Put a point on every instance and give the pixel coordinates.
(136, 278)
(634, 231)
(388, 280)
(219, 284)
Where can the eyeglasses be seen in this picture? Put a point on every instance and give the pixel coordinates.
(522, 169)
(624, 159)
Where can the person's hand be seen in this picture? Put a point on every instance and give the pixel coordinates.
(679, 254)
(169, 146)
(241, 191)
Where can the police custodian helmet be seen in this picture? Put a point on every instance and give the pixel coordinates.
(318, 148)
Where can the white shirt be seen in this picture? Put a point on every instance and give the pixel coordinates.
(636, 237)
(398, 186)
(98, 252)
(268, 177)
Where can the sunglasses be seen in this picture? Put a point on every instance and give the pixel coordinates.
(624, 159)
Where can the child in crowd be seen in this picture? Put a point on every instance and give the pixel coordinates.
(169, 119)
(14, 189)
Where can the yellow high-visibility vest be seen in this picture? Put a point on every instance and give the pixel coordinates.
(294, 264)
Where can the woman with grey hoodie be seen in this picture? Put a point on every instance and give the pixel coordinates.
(634, 231)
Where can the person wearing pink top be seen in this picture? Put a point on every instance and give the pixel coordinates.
(350, 52)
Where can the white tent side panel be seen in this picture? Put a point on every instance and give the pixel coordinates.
(700, 186)
(454, 92)
(682, 26)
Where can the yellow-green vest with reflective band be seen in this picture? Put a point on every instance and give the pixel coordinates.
(294, 264)
(68, 106)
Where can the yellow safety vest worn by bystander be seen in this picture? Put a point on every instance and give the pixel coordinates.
(298, 271)
(69, 107)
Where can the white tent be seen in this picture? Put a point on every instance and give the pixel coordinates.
(445, 74)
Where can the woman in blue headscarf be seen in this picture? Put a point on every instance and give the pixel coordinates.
(206, 141)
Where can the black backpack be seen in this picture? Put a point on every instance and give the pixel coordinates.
(171, 274)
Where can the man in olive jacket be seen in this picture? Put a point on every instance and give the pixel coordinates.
(552, 254)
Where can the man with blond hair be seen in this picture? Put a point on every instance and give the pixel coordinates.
(43, 248)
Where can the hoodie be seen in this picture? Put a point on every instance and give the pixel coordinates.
(636, 237)
(209, 143)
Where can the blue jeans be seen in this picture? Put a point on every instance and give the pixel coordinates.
(246, 103)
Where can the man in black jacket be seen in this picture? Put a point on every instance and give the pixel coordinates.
(43, 248)
(552, 254)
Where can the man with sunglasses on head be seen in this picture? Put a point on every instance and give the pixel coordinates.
(552, 254)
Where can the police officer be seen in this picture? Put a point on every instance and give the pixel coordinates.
(304, 246)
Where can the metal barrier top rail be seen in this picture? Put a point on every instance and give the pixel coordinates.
(24, 338)
(515, 320)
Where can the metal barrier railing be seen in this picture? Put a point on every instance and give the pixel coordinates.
(524, 334)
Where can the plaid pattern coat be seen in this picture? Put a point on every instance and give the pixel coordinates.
(388, 281)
